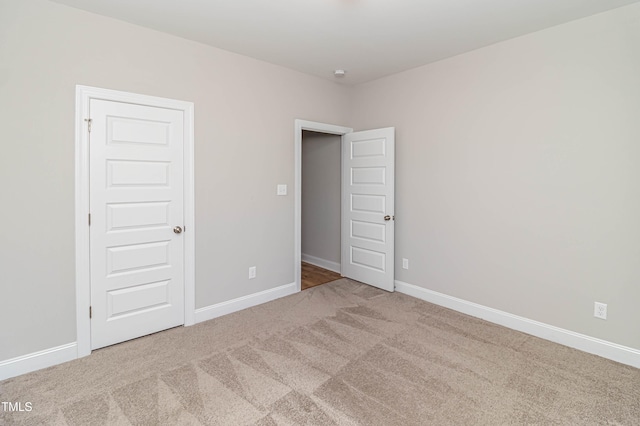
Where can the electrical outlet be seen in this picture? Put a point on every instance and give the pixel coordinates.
(600, 310)
(405, 263)
(252, 272)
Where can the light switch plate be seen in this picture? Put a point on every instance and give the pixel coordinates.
(282, 189)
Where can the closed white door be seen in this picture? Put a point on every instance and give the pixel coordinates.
(136, 205)
(368, 207)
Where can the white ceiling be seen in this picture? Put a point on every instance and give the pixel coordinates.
(367, 38)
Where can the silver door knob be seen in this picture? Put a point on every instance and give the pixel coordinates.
(387, 217)
(177, 230)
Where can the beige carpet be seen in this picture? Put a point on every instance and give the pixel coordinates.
(341, 353)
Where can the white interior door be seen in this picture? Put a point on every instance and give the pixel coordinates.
(136, 205)
(368, 207)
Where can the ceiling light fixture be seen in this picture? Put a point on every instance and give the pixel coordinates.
(339, 73)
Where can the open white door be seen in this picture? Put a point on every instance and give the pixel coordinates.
(136, 205)
(368, 207)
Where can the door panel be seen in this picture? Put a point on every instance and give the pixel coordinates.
(368, 231)
(137, 173)
(136, 198)
(367, 197)
(130, 300)
(137, 215)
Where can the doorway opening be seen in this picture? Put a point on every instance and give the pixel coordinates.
(367, 203)
(321, 208)
(322, 256)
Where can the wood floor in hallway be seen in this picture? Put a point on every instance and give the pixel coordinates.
(313, 275)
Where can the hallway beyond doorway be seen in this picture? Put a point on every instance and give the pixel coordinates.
(313, 275)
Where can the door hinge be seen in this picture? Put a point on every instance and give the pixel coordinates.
(88, 120)
(90, 313)
(89, 219)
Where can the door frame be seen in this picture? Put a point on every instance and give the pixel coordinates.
(84, 95)
(313, 126)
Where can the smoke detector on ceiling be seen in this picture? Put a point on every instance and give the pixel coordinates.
(339, 73)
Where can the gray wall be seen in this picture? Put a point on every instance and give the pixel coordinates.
(321, 196)
(244, 137)
(517, 173)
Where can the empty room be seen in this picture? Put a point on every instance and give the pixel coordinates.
(463, 176)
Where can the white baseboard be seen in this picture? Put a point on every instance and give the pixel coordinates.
(37, 360)
(228, 307)
(52, 356)
(326, 264)
(603, 348)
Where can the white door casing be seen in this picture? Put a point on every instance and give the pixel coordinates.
(134, 173)
(368, 207)
(136, 187)
(300, 126)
